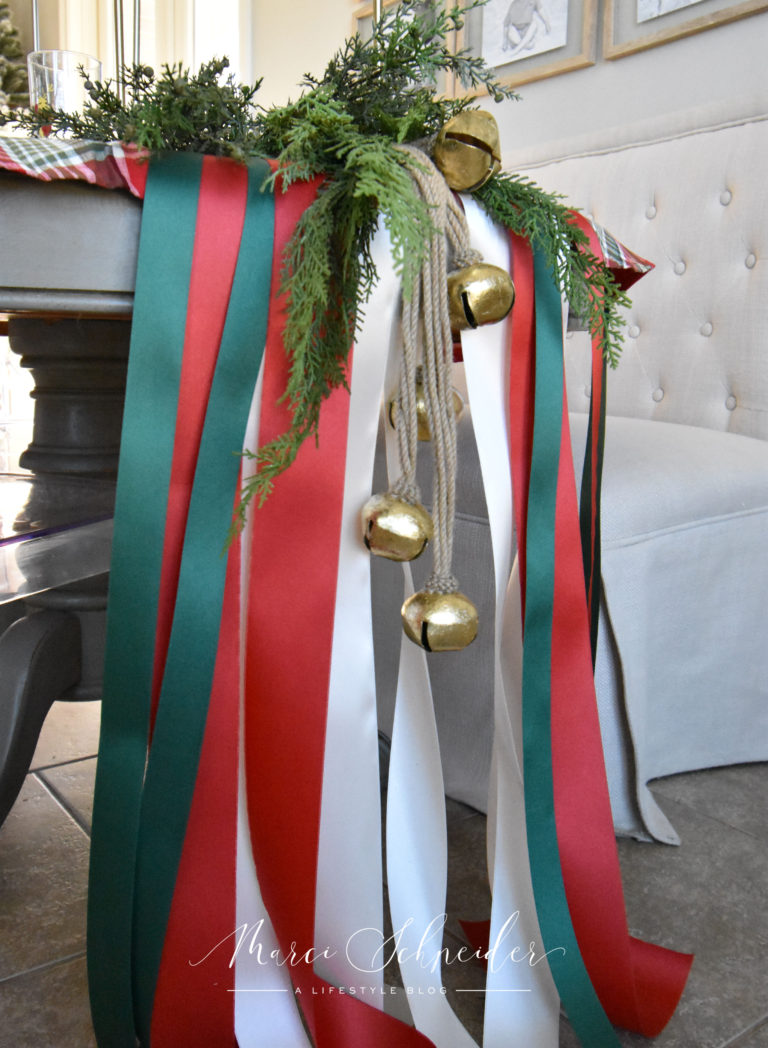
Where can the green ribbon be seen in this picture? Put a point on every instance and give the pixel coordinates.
(579, 999)
(591, 541)
(183, 706)
(157, 342)
(140, 818)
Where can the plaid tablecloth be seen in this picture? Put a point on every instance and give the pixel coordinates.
(111, 165)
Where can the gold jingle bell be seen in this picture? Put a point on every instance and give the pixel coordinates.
(479, 294)
(440, 621)
(394, 528)
(422, 422)
(467, 150)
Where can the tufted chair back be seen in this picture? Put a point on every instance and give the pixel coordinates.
(696, 343)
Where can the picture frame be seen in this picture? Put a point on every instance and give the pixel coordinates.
(630, 26)
(560, 39)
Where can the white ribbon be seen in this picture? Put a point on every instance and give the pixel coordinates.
(521, 1001)
(417, 846)
(265, 1006)
(349, 904)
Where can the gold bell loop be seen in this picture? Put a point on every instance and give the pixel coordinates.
(467, 150)
(394, 528)
(479, 294)
(440, 621)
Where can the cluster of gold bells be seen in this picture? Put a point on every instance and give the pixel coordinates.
(466, 153)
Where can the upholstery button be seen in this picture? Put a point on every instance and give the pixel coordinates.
(726, 197)
(750, 261)
(658, 394)
(650, 211)
(706, 329)
(633, 331)
(730, 403)
(679, 267)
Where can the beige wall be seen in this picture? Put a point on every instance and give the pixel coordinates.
(722, 68)
(21, 12)
(293, 37)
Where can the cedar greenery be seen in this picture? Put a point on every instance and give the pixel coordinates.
(585, 281)
(343, 130)
(200, 113)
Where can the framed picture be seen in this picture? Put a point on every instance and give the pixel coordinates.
(526, 40)
(635, 25)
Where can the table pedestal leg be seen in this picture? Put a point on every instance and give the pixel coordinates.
(54, 649)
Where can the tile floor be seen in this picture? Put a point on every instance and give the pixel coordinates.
(709, 896)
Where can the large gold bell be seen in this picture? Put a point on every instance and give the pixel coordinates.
(479, 294)
(394, 528)
(422, 421)
(467, 150)
(440, 621)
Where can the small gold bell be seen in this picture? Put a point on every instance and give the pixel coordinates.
(440, 621)
(479, 294)
(422, 422)
(394, 528)
(467, 150)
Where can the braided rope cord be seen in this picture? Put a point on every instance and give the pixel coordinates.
(427, 336)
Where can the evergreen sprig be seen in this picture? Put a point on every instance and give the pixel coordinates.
(328, 271)
(344, 127)
(585, 280)
(203, 112)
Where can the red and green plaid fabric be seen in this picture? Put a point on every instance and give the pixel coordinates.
(628, 267)
(112, 165)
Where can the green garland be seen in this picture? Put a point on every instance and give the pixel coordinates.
(343, 129)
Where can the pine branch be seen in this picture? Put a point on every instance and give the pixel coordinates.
(584, 279)
(174, 111)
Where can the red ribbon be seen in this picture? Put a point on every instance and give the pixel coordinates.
(616, 965)
(192, 1005)
(294, 561)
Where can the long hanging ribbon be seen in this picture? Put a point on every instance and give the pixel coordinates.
(591, 488)
(592, 471)
(574, 986)
(287, 672)
(266, 1011)
(183, 706)
(178, 737)
(579, 785)
(157, 338)
(191, 1004)
(520, 993)
(627, 268)
(350, 824)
